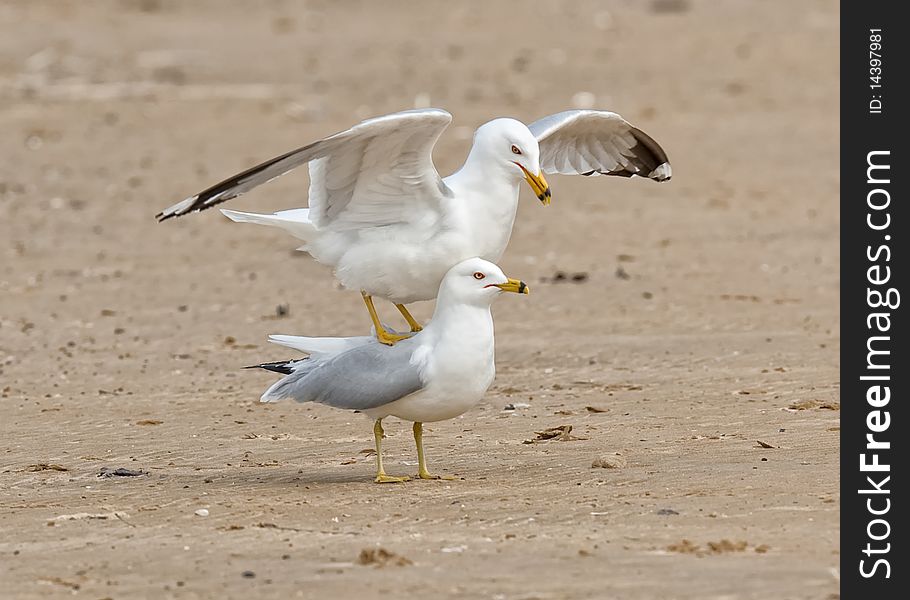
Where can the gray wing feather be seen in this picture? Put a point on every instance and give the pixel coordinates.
(361, 378)
(598, 142)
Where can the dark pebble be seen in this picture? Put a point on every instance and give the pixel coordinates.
(120, 472)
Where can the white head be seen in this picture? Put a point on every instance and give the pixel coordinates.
(510, 145)
(477, 282)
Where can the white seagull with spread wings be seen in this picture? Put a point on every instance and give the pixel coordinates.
(382, 217)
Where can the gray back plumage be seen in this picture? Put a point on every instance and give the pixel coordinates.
(364, 377)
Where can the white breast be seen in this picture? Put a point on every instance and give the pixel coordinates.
(459, 369)
(490, 216)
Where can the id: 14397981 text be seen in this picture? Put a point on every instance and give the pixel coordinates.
(875, 71)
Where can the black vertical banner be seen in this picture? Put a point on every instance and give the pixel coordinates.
(875, 222)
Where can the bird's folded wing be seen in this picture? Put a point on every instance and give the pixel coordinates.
(377, 173)
(597, 142)
(364, 377)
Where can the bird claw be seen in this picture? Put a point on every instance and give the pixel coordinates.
(427, 475)
(383, 478)
(390, 339)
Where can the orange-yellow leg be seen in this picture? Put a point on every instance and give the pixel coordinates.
(382, 335)
(381, 477)
(415, 326)
(422, 472)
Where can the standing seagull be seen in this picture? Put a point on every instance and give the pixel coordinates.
(436, 374)
(391, 227)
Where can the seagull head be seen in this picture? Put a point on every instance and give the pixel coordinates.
(511, 145)
(478, 282)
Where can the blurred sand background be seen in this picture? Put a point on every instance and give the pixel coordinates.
(703, 333)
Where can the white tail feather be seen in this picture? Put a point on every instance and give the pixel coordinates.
(320, 345)
(295, 221)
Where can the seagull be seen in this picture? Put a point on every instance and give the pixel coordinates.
(390, 226)
(434, 375)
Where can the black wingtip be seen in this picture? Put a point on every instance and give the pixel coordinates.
(186, 206)
(662, 173)
(285, 367)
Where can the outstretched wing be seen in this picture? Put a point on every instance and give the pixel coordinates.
(598, 142)
(376, 173)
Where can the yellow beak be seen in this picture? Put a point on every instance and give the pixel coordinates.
(539, 184)
(514, 285)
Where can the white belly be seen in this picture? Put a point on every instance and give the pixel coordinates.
(402, 271)
(429, 405)
(404, 265)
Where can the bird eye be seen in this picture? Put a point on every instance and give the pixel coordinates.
(515, 149)
(478, 275)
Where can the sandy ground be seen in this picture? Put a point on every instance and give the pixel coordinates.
(704, 337)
